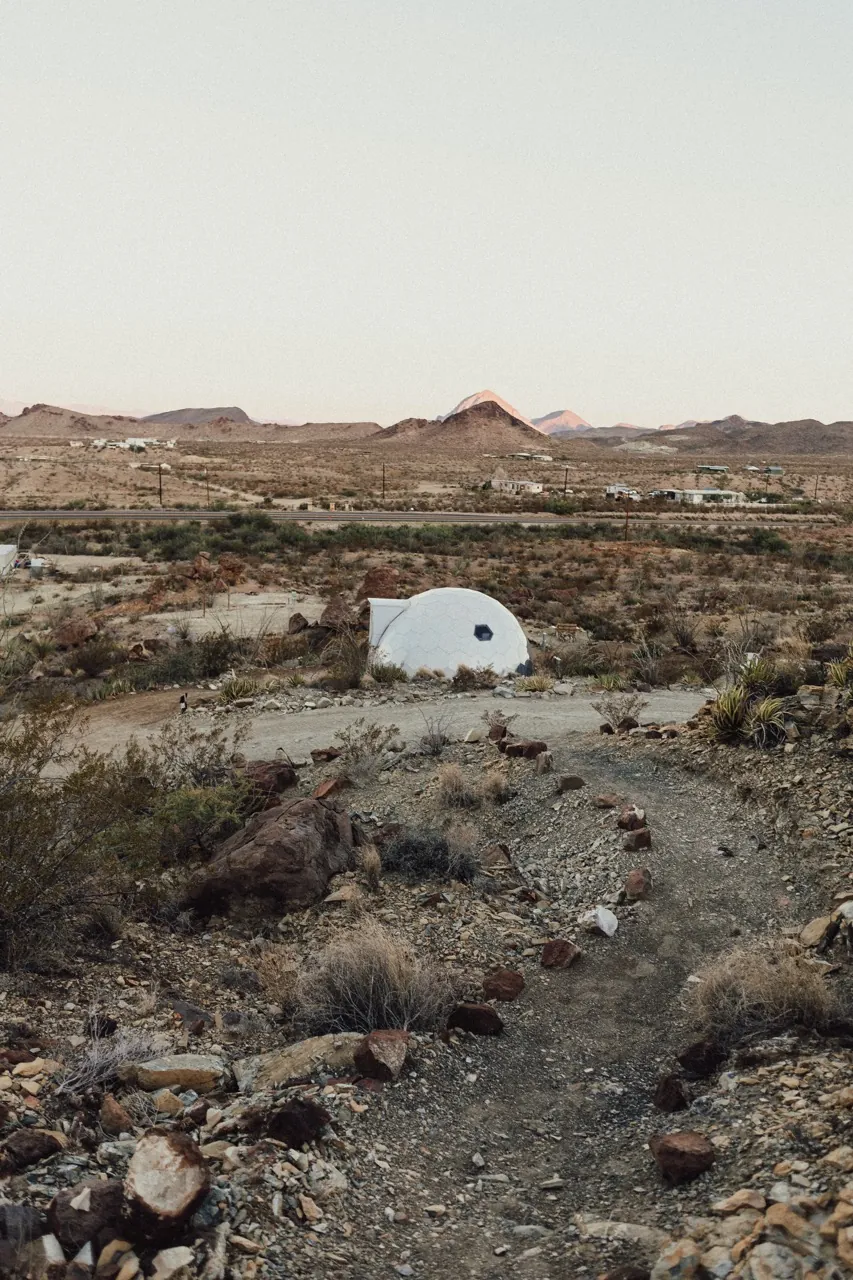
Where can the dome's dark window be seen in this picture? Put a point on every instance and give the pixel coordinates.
(483, 632)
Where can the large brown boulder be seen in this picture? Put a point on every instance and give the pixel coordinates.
(77, 1214)
(379, 583)
(166, 1181)
(285, 856)
(682, 1156)
(74, 631)
(338, 614)
(267, 780)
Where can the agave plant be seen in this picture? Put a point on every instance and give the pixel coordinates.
(729, 715)
(757, 676)
(765, 723)
(839, 674)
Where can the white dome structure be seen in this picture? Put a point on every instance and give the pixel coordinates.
(446, 628)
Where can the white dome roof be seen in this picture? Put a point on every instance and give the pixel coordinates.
(446, 628)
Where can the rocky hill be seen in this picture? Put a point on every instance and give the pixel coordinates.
(484, 428)
(196, 417)
(52, 420)
(803, 435)
(488, 397)
(561, 422)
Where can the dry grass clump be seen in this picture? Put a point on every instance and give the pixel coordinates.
(454, 791)
(756, 990)
(101, 1062)
(428, 855)
(371, 865)
(614, 707)
(468, 678)
(496, 788)
(536, 684)
(365, 980)
(362, 746)
(278, 974)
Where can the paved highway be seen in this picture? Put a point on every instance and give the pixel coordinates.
(294, 517)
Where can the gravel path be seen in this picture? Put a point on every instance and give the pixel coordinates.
(111, 725)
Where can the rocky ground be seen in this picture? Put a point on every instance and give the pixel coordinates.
(225, 1151)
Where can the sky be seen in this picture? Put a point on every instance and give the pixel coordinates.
(641, 210)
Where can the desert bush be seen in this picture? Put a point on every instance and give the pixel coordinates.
(611, 681)
(454, 791)
(824, 626)
(362, 745)
(684, 628)
(275, 650)
(95, 656)
(100, 1064)
(757, 676)
(646, 659)
(366, 980)
(436, 734)
(388, 673)
(616, 707)
(576, 657)
(278, 974)
(498, 718)
(371, 865)
(469, 678)
(346, 656)
(839, 674)
(496, 788)
(536, 684)
(765, 723)
(427, 855)
(756, 990)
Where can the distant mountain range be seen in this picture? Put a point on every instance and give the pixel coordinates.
(197, 417)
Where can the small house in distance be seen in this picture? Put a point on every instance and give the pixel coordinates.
(701, 497)
(502, 484)
(712, 469)
(446, 628)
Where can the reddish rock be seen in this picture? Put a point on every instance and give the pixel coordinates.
(166, 1181)
(323, 755)
(635, 840)
(295, 1122)
(626, 724)
(702, 1058)
(631, 818)
(525, 748)
(382, 582)
(381, 1054)
(267, 780)
(682, 1156)
(478, 1019)
(497, 732)
(503, 984)
(627, 1271)
(74, 631)
(332, 787)
(113, 1117)
(653, 733)
(338, 615)
(284, 856)
(606, 729)
(231, 569)
(559, 953)
(296, 623)
(495, 855)
(75, 1227)
(671, 1094)
(26, 1147)
(638, 884)
(570, 782)
(606, 802)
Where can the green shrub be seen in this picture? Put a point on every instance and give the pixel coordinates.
(729, 715)
(95, 656)
(765, 723)
(388, 673)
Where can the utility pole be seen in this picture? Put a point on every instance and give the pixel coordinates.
(566, 482)
(383, 481)
(207, 482)
(816, 483)
(160, 480)
(627, 513)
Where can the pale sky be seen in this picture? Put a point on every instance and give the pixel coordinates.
(641, 210)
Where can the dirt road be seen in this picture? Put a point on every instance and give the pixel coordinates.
(112, 724)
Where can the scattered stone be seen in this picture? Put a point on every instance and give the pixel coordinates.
(638, 884)
(671, 1094)
(200, 1071)
(25, 1147)
(74, 631)
(559, 953)
(298, 1061)
(503, 984)
(544, 762)
(633, 841)
(746, 1198)
(324, 755)
(495, 855)
(474, 735)
(167, 1103)
(173, 1264)
(524, 748)
(267, 780)
(332, 787)
(702, 1058)
(113, 1117)
(626, 724)
(678, 1261)
(606, 802)
(478, 1019)
(569, 782)
(815, 931)
(600, 920)
(77, 1214)
(682, 1156)
(631, 818)
(381, 1054)
(628, 1272)
(167, 1179)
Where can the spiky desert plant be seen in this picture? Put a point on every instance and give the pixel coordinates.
(839, 674)
(728, 715)
(765, 723)
(757, 676)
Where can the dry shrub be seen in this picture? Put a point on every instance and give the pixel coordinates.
(616, 707)
(428, 855)
(496, 787)
(371, 865)
(536, 684)
(362, 746)
(453, 789)
(759, 990)
(278, 974)
(365, 980)
(468, 678)
(102, 1061)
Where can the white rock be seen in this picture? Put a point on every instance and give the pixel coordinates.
(601, 920)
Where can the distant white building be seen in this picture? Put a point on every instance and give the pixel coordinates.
(702, 497)
(502, 483)
(622, 491)
(8, 555)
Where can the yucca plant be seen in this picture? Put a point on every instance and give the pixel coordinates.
(238, 687)
(611, 681)
(536, 684)
(839, 674)
(757, 676)
(765, 723)
(729, 715)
